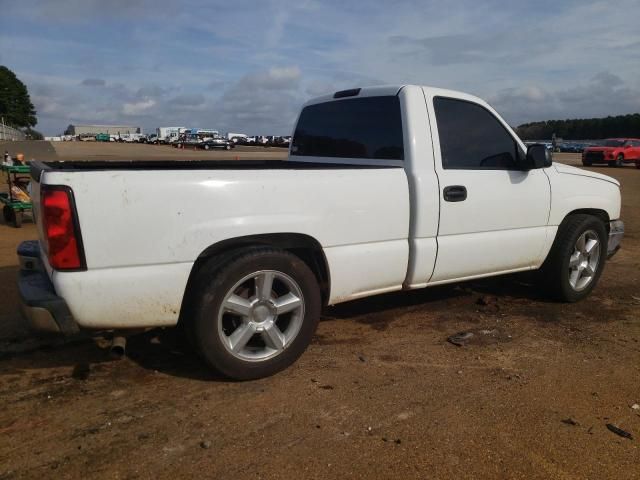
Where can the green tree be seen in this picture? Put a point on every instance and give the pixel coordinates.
(583, 129)
(15, 104)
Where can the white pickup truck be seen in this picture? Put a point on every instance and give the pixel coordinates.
(386, 188)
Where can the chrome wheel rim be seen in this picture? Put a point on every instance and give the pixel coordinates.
(583, 263)
(261, 315)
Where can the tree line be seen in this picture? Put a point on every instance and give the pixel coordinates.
(16, 109)
(582, 128)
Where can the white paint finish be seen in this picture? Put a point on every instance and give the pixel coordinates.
(375, 91)
(481, 275)
(573, 191)
(133, 297)
(364, 269)
(151, 220)
(422, 254)
(496, 200)
(155, 217)
(571, 170)
(500, 205)
(476, 254)
(550, 237)
(423, 185)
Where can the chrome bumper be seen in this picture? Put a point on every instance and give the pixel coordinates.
(616, 232)
(44, 310)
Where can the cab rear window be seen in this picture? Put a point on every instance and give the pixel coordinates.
(368, 127)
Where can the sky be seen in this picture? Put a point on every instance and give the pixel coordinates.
(247, 67)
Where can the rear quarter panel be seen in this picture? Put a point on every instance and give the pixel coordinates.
(143, 230)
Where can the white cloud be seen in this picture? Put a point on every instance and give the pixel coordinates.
(137, 108)
(252, 68)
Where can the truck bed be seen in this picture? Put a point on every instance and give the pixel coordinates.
(144, 225)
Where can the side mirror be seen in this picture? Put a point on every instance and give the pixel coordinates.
(538, 156)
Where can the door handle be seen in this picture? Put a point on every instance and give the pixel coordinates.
(455, 193)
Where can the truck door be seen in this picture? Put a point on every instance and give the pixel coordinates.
(493, 216)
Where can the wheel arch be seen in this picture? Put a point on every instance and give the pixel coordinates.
(594, 212)
(305, 247)
(599, 213)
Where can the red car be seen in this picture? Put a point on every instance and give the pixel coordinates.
(614, 151)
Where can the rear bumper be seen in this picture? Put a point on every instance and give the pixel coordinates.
(44, 310)
(616, 232)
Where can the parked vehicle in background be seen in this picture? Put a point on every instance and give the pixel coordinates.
(202, 133)
(262, 140)
(152, 139)
(246, 253)
(236, 137)
(217, 142)
(571, 147)
(103, 137)
(168, 134)
(281, 141)
(614, 152)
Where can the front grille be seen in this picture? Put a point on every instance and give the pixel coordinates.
(594, 156)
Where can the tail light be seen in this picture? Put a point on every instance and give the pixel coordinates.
(61, 228)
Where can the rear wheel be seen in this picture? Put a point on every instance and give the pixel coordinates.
(576, 259)
(637, 164)
(206, 147)
(255, 314)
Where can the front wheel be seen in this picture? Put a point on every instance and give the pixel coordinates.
(619, 160)
(576, 259)
(255, 313)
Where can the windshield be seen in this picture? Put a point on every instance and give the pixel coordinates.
(613, 143)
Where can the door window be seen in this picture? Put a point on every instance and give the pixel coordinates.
(472, 138)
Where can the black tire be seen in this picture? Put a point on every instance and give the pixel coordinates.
(7, 213)
(206, 147)
(637, 164)
(555, 270)
(586, 163)
(227, 147)
(619, 161)
(212, 283)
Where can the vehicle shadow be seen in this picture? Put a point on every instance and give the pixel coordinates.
(160, 350)
(520, 286)
(167, 350)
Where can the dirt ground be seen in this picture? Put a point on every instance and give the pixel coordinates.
(132, 151)
(379, 394)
